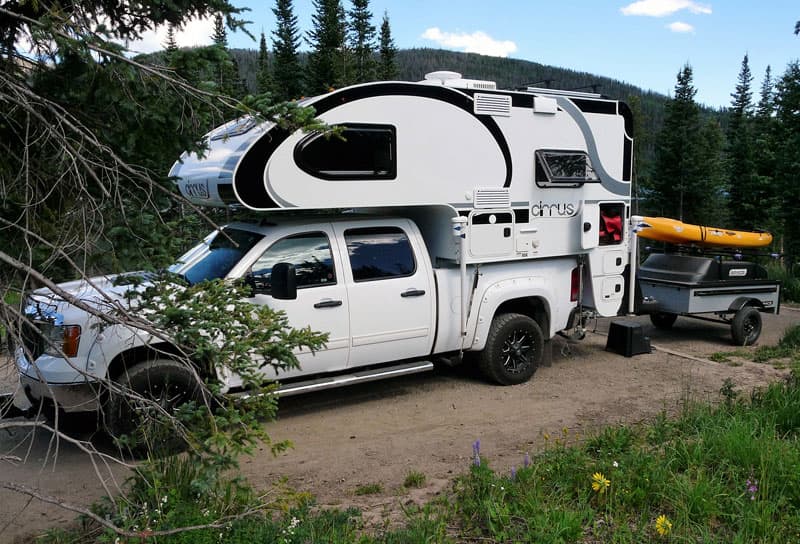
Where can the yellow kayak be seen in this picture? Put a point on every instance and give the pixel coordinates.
(673, 231)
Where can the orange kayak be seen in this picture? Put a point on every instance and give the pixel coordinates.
(673, 231)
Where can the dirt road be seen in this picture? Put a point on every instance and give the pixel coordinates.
(377, 433)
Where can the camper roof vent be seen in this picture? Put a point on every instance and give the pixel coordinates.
(491, 197)
(441, 76)
(454, 79)
(492, 104)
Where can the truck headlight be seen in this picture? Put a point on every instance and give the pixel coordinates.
(61, 338)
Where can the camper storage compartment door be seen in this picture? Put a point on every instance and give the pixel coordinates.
(491, 233)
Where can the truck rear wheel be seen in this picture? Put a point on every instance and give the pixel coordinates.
(150, 394)
(746, 326)
(513, 349)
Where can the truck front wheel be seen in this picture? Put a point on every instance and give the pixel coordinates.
(145, 399)
(513, 349)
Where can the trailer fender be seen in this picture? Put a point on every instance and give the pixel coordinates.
(742, 302)
(508, 291)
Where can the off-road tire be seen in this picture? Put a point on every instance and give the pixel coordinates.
(165, 382)
(663, 320)
(746, 326)
(513, 351)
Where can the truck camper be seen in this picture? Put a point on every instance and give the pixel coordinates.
(538, 174)
(444, 218)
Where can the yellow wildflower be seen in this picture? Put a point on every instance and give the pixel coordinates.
(599, 482)
(663, 525)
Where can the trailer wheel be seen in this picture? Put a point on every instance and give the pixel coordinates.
(663, 320)
(513, 349)
(746, 326)
(150, 393)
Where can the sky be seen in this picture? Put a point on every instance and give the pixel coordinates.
(644, 42)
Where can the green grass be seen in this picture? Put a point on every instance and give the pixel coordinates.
(414, 479)
(787, 351)
(729, 357)
(369, 489)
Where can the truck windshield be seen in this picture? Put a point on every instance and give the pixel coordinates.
(215, 256)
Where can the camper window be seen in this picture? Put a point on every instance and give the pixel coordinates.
(379, 253)
(310, 253)
(359, 152)
(556, 168)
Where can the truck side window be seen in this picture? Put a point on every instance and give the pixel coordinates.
(310, 253)
(379, 253)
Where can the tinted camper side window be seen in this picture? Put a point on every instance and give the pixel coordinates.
(378, 253)
(555, 168)
(360, 152)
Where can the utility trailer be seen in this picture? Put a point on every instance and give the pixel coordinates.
(734, 291)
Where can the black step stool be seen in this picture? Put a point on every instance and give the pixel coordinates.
(627, 338)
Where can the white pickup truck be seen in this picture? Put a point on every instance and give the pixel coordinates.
(487, 221)
(367, 281)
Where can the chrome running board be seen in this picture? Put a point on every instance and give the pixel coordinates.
(364, 376)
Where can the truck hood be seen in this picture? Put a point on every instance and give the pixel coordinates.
(98, 291)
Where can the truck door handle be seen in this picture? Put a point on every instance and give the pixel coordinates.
(328, 304)
(412, 293)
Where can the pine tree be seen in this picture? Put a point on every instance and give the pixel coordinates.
(171, 45)
(787, 178)
(220, 35)
(710, 207)
(263, 76)
(766, 101)
(287, 74)
(362, 42)
(641, 165)
(388, 64)
(764, 145)
(746, 196)
(678, 188)
(326, 61)
(226, 75)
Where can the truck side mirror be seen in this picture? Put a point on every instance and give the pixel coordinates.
(284, 282)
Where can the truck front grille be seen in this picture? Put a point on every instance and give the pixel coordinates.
(32, 340)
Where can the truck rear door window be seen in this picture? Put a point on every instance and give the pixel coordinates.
(310, 253)
(378, 253)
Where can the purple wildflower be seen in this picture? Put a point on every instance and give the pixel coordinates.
(476, 452)
(513, 473)
(526, 462)
(752, 488)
